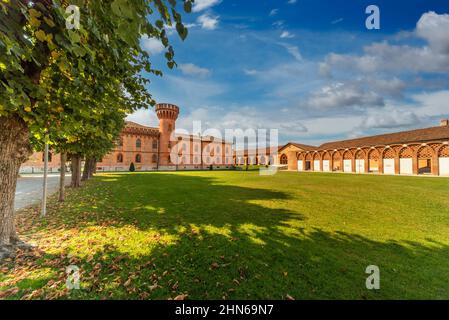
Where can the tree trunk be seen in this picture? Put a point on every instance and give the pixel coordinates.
(93, 168)
(89, 168)
(15, 149)
(76, 171)
(62, 178)
(86, 170)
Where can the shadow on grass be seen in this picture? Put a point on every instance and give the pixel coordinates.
(223, 241)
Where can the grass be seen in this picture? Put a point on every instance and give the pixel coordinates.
(237, 235)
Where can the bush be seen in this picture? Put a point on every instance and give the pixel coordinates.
(131, 167)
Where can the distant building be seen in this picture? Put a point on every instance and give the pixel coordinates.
(415, 152)
(154, 149)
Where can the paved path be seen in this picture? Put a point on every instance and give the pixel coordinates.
(29, 189)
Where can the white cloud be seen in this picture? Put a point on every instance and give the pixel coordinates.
(286, 34)
(273, 12)
(294, 51)
(292, 1)
(341, 96)
(152, 45)
(383, 56)
(208, 21)
(200, 5)
(250, 72)
(191, 69)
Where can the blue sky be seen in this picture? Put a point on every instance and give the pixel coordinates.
(308, 68)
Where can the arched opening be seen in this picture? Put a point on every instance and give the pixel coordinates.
(316, 162)
(138, 158)
(284, 159)
(425, 160)
(347, 161)
(326, 162)
(308, 162)
(388, 158)
(373, 160)
(406, 160)
(443, 160)
(262, 160)
(360, 161)
(336, 163)
(120, 158)
(138, 143)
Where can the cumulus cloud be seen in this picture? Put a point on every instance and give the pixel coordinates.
(286, 34)
(383, 56)
(193, 70)
(200, 5)
(340, 96)
(208, 21)
(152, 45)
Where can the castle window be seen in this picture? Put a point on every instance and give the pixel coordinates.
(154, 158)
(120, 158)
(138, 158)
(138, 143)
(154, 144)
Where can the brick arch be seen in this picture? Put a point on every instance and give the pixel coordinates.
(425, 152)
(443, 151)
(425, 155)
(300, 156)
(326, 156)
(373, 154)
(316, 156)
(308, 157)
(374, 162)
(336, 155)
(284, 159)
(337, 161)
(406, 153)
(360, 154)
(347, 155)
(389, 153)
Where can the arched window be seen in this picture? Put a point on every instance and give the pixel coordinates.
(154, 158)
(138, 158)
(284, 159)
(154, 144)
(138, 143)
(120, 158)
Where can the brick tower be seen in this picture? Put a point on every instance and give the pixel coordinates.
(167, 114)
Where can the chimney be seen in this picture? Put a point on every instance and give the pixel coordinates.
(444, 123)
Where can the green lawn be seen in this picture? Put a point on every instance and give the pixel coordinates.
(238, 235)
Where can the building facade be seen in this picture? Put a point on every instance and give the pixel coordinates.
(151, 148)
(416, 152)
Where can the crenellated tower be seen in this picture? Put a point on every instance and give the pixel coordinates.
(167, 114)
